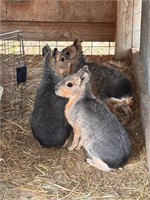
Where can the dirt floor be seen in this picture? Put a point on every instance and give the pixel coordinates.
(29, 171)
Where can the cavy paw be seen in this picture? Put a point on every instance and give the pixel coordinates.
(71, 148)
(89, 161)
(78, 148)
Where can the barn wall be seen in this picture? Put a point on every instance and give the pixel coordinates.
(60, 20)
(144, 98)
(128, 26)
(145, 40)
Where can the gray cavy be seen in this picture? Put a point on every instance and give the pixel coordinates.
(48, 123)
(96, 128)
(108, 84)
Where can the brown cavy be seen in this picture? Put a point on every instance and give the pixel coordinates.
(108, 84)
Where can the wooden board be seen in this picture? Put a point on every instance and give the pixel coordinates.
(145, 40)
(143, 97)
(58, 11)
(60, 20)
(123, 28)
(63, 31)
(128, 26)
(136, 29)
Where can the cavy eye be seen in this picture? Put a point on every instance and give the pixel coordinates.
(62, 59)
(69, 84)
(67, 53)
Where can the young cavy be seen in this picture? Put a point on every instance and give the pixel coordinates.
(48, 123)
(96, 128)
(108, 84)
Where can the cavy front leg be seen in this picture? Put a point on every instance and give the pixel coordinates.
(69, 140)
(76, 139)
(80, 144)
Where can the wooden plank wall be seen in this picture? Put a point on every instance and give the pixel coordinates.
(128, 26)
(144, 97)
(145, 41)
(60, 20)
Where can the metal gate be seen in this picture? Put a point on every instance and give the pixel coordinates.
(13, 74)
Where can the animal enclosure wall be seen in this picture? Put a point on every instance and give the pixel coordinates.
(60, 20)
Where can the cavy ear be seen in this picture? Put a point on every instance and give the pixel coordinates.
(84, 75)
(82, 70)
(56, 54)
(77, 44)
(86, 69)
(46, 49)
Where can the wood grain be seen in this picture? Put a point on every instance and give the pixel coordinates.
(145, 40)
(63, 31)
(136, 28)
(59, 11)
(123, 28)
(144, 98)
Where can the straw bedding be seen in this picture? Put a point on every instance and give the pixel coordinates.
(29, 171)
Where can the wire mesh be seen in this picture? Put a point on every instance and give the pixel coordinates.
(89, 48)
(12, 57)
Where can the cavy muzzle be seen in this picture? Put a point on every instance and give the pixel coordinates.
(56, 88)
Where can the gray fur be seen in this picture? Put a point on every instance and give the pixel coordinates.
(48, 123)
(106, 137)
(102, 135)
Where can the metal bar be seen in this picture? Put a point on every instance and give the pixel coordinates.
(9, 33)
(13, 98)
(7, 38)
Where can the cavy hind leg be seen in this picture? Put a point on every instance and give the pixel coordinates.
(112, 104)
(123, 104)
(74, 143)
(80, 144)
(98, 163)
(128, 113)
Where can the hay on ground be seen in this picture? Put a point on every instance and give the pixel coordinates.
(29, 171)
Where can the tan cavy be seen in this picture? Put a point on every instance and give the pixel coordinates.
(108, 84)
(96, 128)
